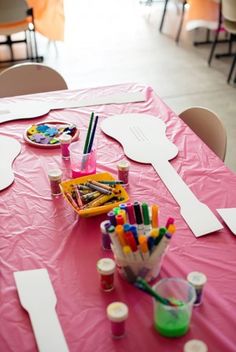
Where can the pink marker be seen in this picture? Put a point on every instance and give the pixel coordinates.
(169, 222)
(131, 214)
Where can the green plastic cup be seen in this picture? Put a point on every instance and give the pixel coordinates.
(173, 321)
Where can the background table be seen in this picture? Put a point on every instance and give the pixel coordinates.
(39, 231)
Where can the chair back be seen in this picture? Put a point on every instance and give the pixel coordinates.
(229, 10)
(12, 11)
(207, 125)
(27, 78)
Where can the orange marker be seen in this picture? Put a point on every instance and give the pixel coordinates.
(154, 216)
(171, 229)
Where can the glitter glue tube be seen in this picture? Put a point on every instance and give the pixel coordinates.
(106, 269)
(106, 240)
(123, 171)
(55, 176)
(117, 313)
(65, 140)
(198, 281)
(195, 346)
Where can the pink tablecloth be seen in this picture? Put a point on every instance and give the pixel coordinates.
(38, 231)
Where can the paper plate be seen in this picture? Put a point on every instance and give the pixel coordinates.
(46, 134)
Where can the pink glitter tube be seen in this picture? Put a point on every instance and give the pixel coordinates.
(123, 171)
(65, 140)
(54, 176)
(117, 313)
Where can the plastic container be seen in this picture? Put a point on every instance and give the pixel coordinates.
(198, 280)
(55, 176)
(195, 346)
(65, 140)
(117, 313)
(172, 321)
(82, 164)
(123, 171)
(106, 240)
(106, 269)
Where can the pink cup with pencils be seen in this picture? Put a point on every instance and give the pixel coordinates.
(83, 152)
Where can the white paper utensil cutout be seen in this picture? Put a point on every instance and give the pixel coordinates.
(9, 149)
(37, 296)
(30, 109)
(229, 217)
(144, 140)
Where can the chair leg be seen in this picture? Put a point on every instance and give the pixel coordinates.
(181, 22)
(163, 16)
(231, 70)
(213, 47)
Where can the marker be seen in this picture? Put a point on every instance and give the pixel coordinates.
(115, 241)
(171, 229)
(151, 243)
(169, 222)
(116, 210)
(144, 247)
(120, 234)
(146, 218)
(120, 219)
(134, 231)
(155, 216)
(112, 217)
(131, 214)
(123, 214)
(128, 252)
(160, 249)
(126, 227)
(162, 232)
(138, 215)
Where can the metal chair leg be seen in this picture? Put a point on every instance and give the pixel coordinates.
(213, 47)
(163, 16)
(181, 22)
(231, 70)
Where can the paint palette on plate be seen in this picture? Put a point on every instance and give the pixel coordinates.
(46, 134)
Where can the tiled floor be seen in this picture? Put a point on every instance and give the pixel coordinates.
(110, 41)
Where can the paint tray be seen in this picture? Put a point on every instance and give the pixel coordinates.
(67, 186)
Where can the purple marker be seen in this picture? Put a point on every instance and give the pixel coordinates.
(112, 218)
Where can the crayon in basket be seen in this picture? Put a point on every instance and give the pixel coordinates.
(92, 194)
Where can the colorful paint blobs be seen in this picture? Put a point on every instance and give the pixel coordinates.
(48, 134)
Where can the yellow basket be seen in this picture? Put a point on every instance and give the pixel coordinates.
(66, 187)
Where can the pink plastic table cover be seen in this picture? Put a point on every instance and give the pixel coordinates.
(39, 231)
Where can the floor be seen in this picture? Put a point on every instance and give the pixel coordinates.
(110, 41)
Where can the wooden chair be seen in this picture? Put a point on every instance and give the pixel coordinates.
(17, 17)
(183, 3)
(29, 78)
(207, 125)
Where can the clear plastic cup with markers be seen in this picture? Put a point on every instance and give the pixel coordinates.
(82, 164)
